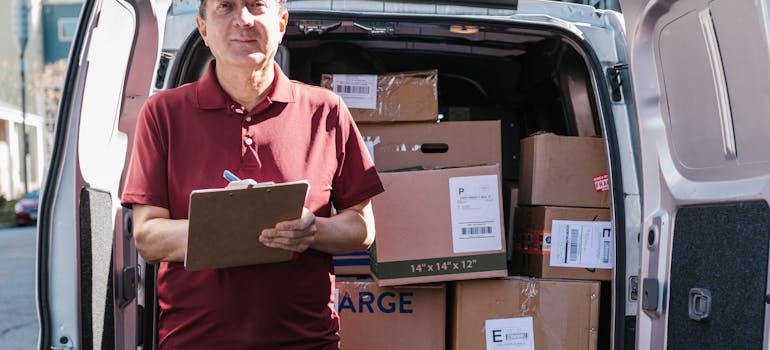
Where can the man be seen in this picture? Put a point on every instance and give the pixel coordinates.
(245, 115)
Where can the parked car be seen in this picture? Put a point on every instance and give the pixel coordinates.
(677, 90)
(26, 208)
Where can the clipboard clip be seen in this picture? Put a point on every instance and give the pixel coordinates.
(236, 183)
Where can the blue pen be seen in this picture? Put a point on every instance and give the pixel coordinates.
(230, 176)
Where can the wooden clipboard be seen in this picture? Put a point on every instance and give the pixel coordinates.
(225, 224)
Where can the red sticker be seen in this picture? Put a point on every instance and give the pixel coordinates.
(602, 183)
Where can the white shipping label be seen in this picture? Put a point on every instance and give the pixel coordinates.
(475, 212)
(357, 90)
(337, 299)
(510, 334)
(587, 244)
(370, 143)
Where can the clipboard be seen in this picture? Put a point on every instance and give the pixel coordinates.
(225, 223)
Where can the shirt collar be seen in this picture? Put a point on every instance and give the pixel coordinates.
(210, 95)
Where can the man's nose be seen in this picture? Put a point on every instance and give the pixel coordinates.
(244, 18)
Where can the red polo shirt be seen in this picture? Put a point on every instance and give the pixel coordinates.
(185, 138)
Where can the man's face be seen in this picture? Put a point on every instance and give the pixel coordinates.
(243, 33)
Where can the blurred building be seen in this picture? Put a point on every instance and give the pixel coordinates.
(52, 25)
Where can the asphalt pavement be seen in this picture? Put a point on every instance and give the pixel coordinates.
(18, 316)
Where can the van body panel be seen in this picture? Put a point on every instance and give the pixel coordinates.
(698, 71)
(88, 276)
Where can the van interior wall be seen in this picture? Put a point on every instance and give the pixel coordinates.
(525, 89)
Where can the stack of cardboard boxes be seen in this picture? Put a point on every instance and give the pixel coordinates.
(562, 225)
(441, 252)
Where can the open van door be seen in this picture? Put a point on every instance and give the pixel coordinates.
(87, 269)
(699, 70)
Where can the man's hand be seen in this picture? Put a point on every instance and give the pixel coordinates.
(294, 235)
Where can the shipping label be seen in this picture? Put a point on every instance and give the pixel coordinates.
(357, 90)
(586, 244)
(510, 334)
(602, 183)
(337, 300)
(475, 213)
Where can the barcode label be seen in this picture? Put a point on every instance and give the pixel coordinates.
(357, 90)
(510, 333)
(352, 89)
(605, 258)
(484, 230)
(475, 213)
(585, 244)
(573, 245)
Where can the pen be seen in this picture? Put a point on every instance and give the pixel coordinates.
(230, 176)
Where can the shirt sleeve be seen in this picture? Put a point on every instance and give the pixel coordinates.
(146, 180)
(356, 179)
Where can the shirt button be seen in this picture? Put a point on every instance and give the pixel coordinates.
(249, 141)
(248, 119)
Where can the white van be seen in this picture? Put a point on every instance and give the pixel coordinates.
(677, 89)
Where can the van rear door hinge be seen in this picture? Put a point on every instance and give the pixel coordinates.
(318, 27)
(616, 81)
(377, 28)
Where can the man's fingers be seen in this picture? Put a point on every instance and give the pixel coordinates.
(292, 244)
(305, 221)
(294, 234)
(297, 241)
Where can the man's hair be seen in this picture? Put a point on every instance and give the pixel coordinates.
(202, 7)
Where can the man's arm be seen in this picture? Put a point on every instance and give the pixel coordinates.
(352, 229)
(159, 238)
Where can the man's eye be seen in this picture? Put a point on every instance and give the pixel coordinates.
(223, 6)
(259, 4)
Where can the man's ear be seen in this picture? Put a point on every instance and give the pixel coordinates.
(201, 23)
(283, 22)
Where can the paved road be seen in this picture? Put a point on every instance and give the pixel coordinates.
(18, 317)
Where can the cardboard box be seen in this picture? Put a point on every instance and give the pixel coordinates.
(564, 314)
(433, 145)
(375, 318)
(439, 225)
(509, 117)
(566, 171)
(352, 264)
(414, 145)
(531, 244)
(394, 97)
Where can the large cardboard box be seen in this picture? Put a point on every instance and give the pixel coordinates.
(566, 171)
(558, 314)
(394, 97)
(385, 318)
(532, 242)
(433, 145)
(423, 146)
(439, 225)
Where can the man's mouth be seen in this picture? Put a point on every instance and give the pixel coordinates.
(244, 40)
